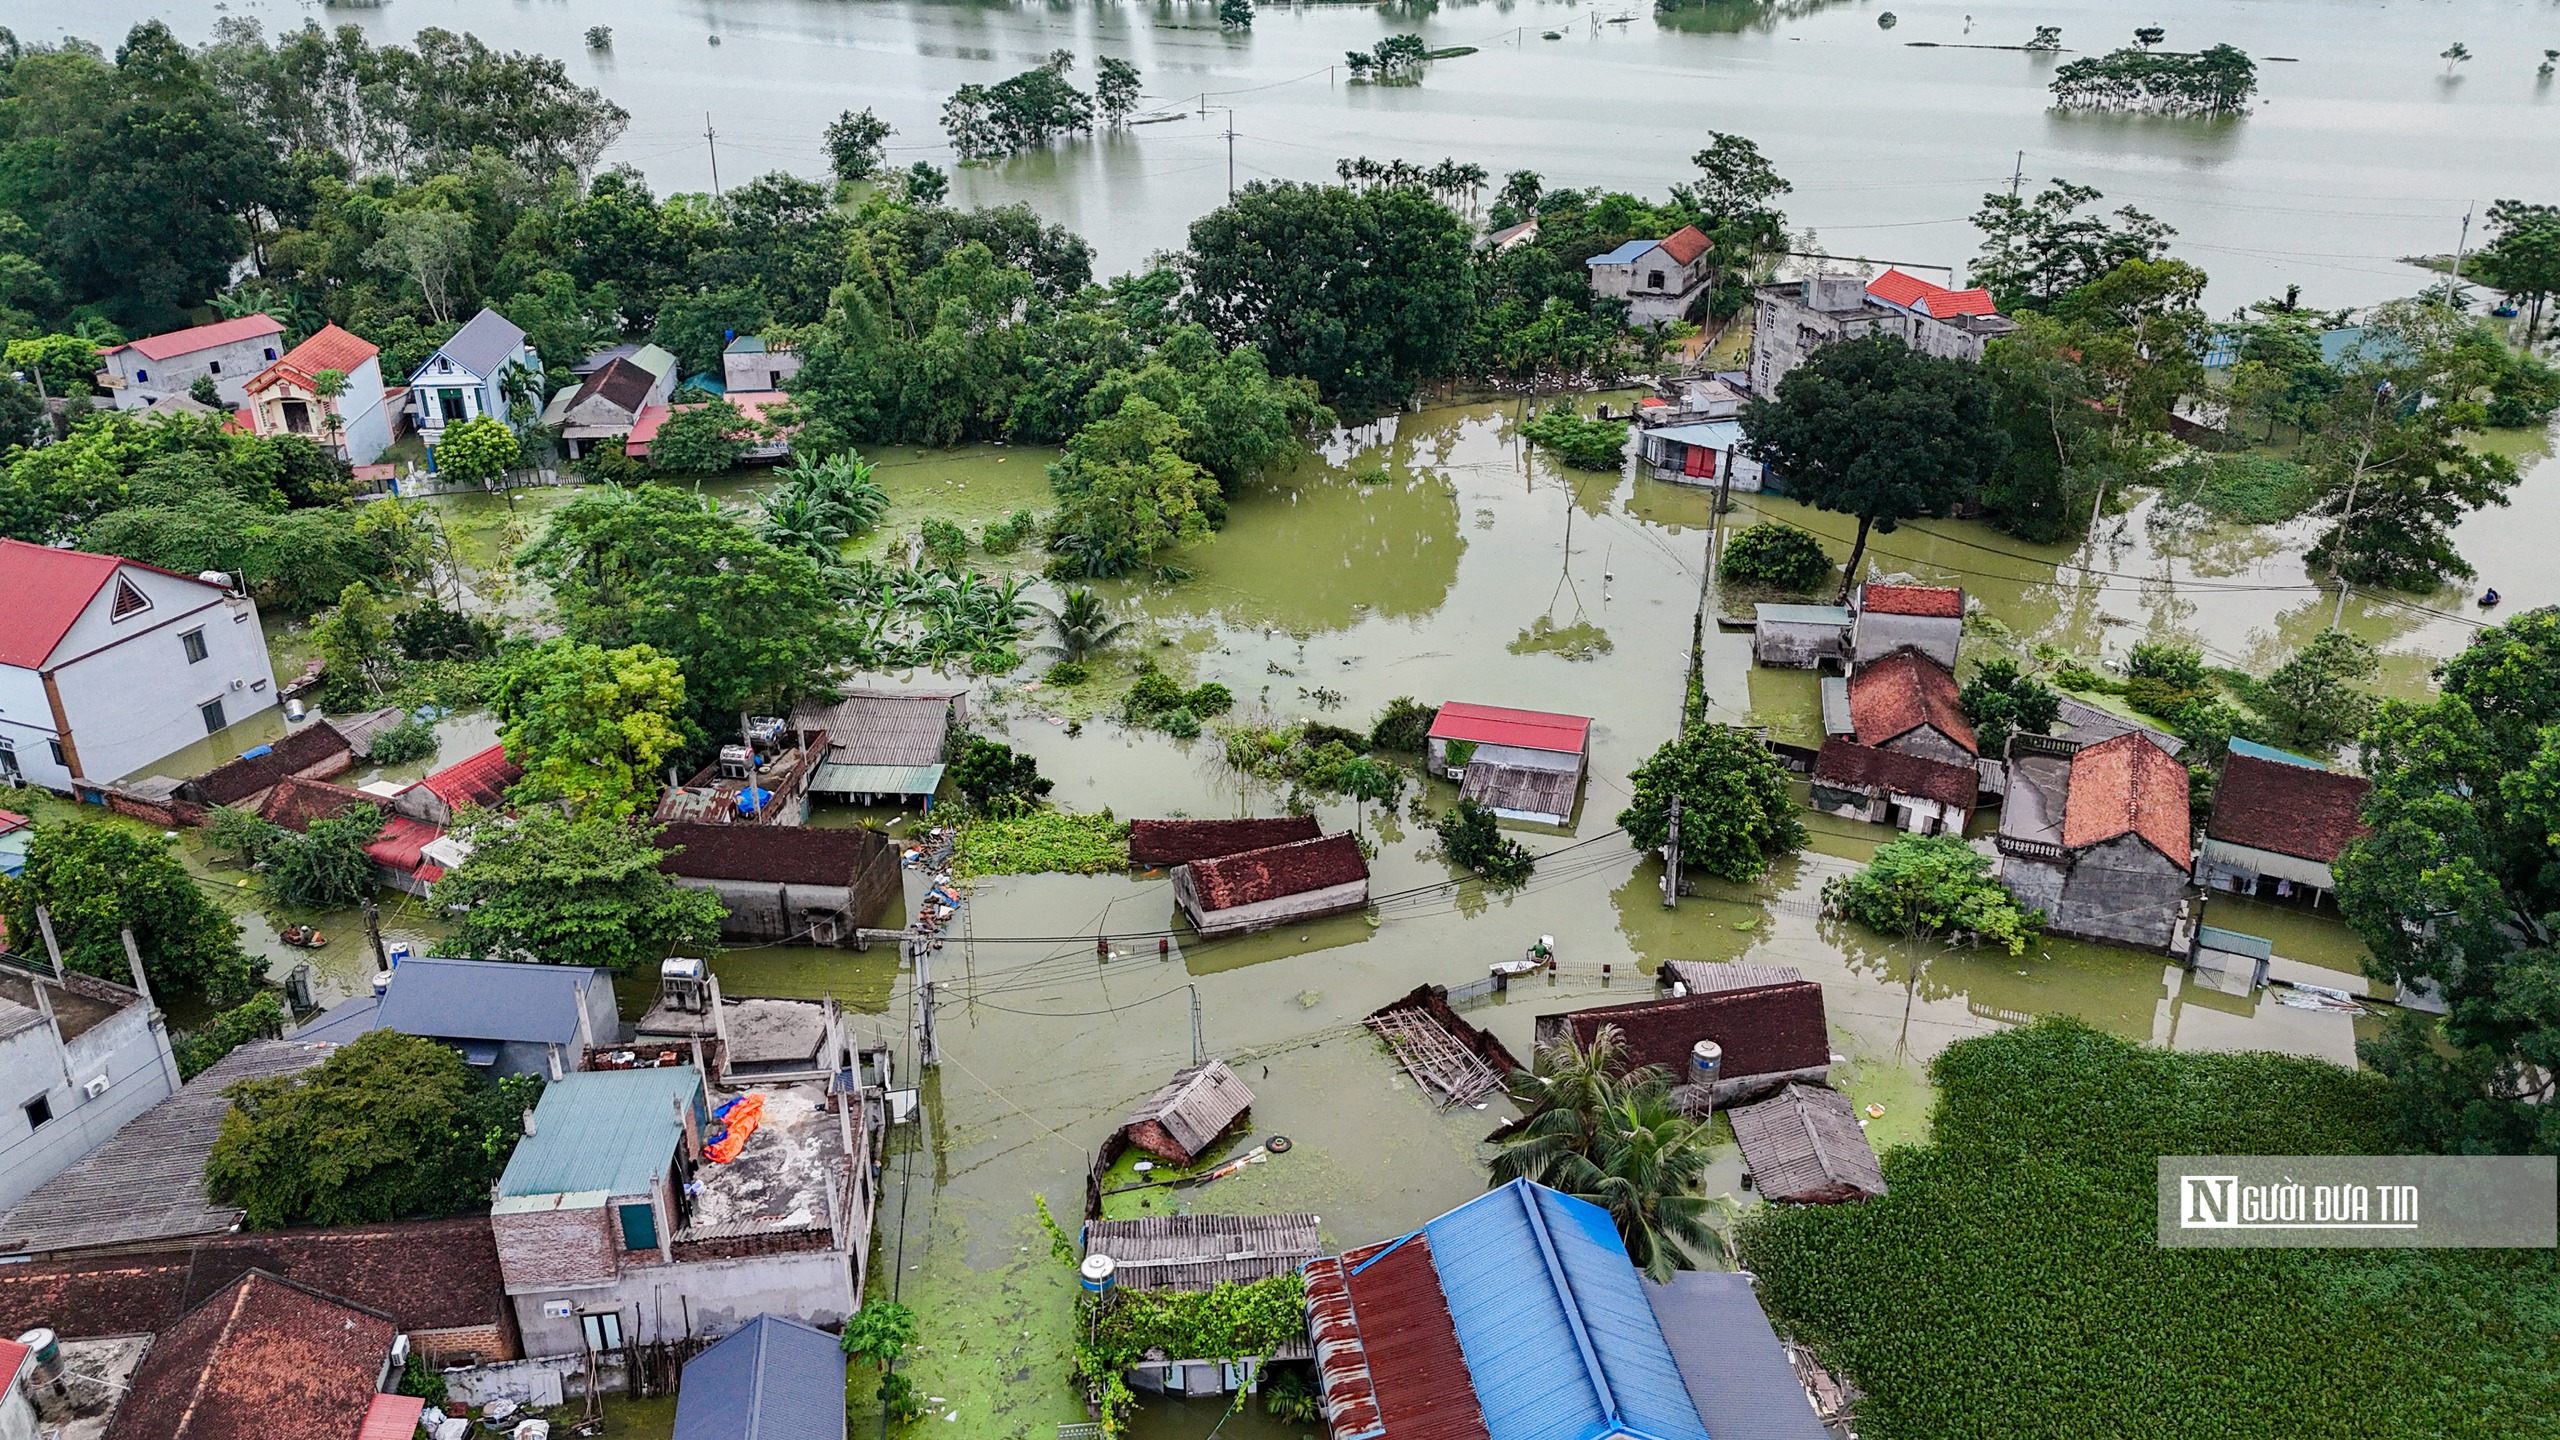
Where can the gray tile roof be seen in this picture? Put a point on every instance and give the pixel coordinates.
(467, 1000)
(771, 1379)
(1730, 1358)
(146, 1182)
(479, 346)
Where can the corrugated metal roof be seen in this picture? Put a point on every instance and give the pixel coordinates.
(1712, 434)
(1552, 1318)
(1202, 1252)
(1736, 1370)
(834, 777)
(771, 1379)
(1804, 1144)
(1836, 719)
(2211, 937)
(1519, 790)
(1707, 977)
(2256, 751)
(609, 1130)
(1386, 1352)
(1625, 254)
(1521, 729)
(444, 999)
(1197, 1105)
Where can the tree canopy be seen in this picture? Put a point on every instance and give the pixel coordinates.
(1736, 812)
(1874, 429)
(591, 726)
(96, 880)
(542, 888)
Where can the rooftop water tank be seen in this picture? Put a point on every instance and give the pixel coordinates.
(1096, 1272)
(1706, 1064)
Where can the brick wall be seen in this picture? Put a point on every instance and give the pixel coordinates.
(477, 1344)
(538, 1248)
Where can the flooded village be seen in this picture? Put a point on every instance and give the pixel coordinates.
(791, 811)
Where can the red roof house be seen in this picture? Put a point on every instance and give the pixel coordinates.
(1178, 842)
(1910, 292)
(2098, 837)
(285, 397)
(2280, 821)
(1686, 244)
(474, 782)
(263, 1357)
(170, 344)
(2128, 786)
(1255, 889)
(1907, 702)
(1771, 1034)
(1886, 618)
(1890, 787)
(1513, 729)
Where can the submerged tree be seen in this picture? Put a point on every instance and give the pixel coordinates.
(2218, 81)
(1612, 1135)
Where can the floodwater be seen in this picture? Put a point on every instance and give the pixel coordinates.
(2364, 149)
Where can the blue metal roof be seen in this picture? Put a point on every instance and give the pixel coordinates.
(772, 1379)
(2234, 942)
(1624, 255)
(2256, 751)
(1736, 1370)
(1552, 1318)
(612, 1132)
(486, 1000)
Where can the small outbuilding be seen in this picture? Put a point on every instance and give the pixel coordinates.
(1202, 1252)
(476, 782)
(1275, 885)
(788, 884)
(1520, 764)
(885, 744)
(1804, 1145)
(1926, 618)
(1923, 795)
(2280, 821)
(1770, 1034)
(770, 1379)
(1699, 452)
(1800, 637)
(1180, 1122)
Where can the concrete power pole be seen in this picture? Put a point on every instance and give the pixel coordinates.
(1671, 860)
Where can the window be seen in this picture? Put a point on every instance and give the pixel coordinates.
(297, 417)
(8, 761)
(450, 405)
(193, 643)
(604, 1329)
(639, 1227)
(1654, 279)
(271, 352)
(211, 710)
(60, 756)
(39, 1111)
(129, 600)
(141, 374)
(213, 367)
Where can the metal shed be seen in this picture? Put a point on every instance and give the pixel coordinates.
(1202, 1252)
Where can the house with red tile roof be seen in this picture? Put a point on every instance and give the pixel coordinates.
(1659, 279)
(108, 664)
(1907, 702)
(1772, 1034)
(1889, 787)
(140, 373)
(2280, 820)
(763, 449)
(2100, 838)
(1275, 885)
(1178, 842)
(1794, 318)
(1887, 618)
(475, 782)
(264, 1357)
(349, 416)
(1520, 764)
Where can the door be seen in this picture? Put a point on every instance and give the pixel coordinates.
(450, 404)
(297, 417)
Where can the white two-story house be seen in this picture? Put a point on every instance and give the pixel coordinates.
(79, 1058)
(106, 664)
(467, 378)
(1659, 279)
(228, 352)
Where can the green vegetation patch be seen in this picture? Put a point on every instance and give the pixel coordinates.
(1581, 441)
(2010, 1284)
(1041, 842)
(2253, 489)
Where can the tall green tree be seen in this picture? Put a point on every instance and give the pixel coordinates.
(390, 1126)
(1736, 812)
(2036, 251)
(97, 880)
(1876, 430)
(1363, 292)
(2454, 889)
(325, 867)
(1125, 493)
(1611, 1135)
(591, 726)
(855, 143)
(2314, 702)
(750, 626)
(479, 451)
(545, 889)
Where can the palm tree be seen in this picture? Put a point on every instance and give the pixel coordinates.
(1647, 1160)
(1082, 626)
(1575, 1083)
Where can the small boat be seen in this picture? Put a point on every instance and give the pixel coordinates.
(1512, 969)
(2488, 598)
(302, 937)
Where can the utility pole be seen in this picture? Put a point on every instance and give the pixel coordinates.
(927, 1053)
(711, 138)
(1198, 1053)
(373, 928)
(2018, 176)
(1231, 151)
(1671, 859)
(2461, 248)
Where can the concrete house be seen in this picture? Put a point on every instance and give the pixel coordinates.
(1908, 704)
(139, 373)
(355, 423)
(108, 664)
(789, 884)
(1795, 318)
(467, 378)
(81, 1059)
(476, 782)
(1800, 637)
(607, 403)
(1886, 618)
(751, 364)
(620, 1222)
(1699, 452)
(885, 745)
(1520, 764)
(1659, 279)
(1276, 885)
(2280, 821)
(506, 1017)
(2099, 837)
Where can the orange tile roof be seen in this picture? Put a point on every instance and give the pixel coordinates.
(1936, 602)
(201, 337)
(2128, 786)
(1687, 243)
(1892, 697)
(1911, 292)
(332, 349)
(480, 779)
(1501, 725)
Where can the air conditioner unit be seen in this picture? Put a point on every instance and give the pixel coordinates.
(239, 684)
(96, 1087)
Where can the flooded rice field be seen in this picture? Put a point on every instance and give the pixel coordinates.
(1428, 556)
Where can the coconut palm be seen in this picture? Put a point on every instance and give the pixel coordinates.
(1646, 1163)
(1081, 625)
